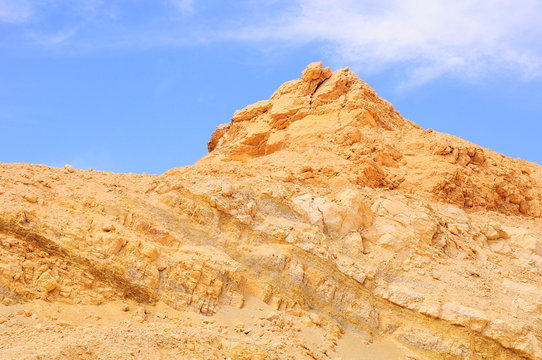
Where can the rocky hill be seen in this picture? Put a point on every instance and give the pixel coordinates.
(321, 225)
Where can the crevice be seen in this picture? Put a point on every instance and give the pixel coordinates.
(324, 225)
(315, 90)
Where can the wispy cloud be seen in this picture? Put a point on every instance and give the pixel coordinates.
(53, 39)
(419, 39)
(430, 39)
(14, 11)
(184, 6)
(55, 22)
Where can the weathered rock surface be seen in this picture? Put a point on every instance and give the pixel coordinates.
(322, 203)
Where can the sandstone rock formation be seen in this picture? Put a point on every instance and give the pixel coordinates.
(321, 225)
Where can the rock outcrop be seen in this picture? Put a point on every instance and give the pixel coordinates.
(323, 204)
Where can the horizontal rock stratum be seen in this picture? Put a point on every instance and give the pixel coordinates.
(321, 225)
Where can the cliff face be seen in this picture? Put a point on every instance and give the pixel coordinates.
(320, 216)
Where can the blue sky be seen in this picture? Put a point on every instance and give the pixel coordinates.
(139, 85)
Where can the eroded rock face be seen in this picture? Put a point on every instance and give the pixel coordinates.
(323, 203)
(366, 142)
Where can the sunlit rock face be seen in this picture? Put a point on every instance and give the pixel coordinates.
(323, 206)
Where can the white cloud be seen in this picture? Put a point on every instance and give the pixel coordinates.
(53, 39)
(14, 11)
(184, 6)
(430, 38)
(419, 39)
